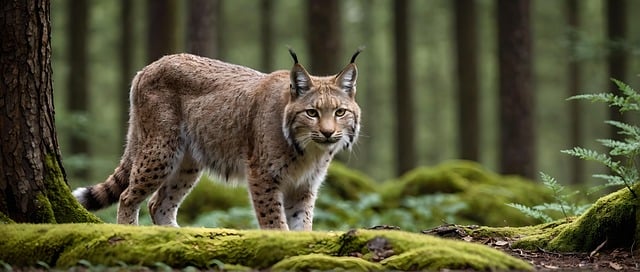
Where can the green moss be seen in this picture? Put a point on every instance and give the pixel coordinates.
(64, 245)
(487, 201)
(4, 219)
(483, 193)
(436, 258)
(611, 218)
(347, 184)
(63, 206)
(325, 263)
(44, 210)
(209, 196)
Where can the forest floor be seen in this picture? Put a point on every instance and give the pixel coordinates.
(619, 259)
(603, 260)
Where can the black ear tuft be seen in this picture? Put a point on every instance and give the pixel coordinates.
(355, 55)
(293, 55)
(300, 79)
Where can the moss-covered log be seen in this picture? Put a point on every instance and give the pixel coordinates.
(612, 221)
(65, 245)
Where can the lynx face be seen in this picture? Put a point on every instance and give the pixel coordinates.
(326, 116)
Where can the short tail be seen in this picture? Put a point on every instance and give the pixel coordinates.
(104, 194)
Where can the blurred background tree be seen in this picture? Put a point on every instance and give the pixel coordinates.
(430, 81)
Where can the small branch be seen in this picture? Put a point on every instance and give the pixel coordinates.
(598, 248)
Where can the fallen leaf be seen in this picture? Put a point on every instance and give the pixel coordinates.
(615, 266)
(501, 243)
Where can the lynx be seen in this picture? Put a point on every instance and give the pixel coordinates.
(277, 131)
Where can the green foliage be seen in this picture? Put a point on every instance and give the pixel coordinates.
(563, 203)
(625, 171)
(458, 192)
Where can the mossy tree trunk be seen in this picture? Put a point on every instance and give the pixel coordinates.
(32, 181)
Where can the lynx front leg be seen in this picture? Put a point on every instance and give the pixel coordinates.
(299, 205)
(267, 203)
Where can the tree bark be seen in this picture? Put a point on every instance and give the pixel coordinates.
(161, 32)
(266, 33)
(467, 79)
(201, 27)
(323, 36)
(405, 132)
(126, 64)
(575, 128)
(32, 180)
(617, 61)
(517, 130)
(78, 88)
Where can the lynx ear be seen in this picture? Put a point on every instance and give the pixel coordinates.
(300, 79)
(346, 79)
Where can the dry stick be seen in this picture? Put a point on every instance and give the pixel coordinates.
(598, 248)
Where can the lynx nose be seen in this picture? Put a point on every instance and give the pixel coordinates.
(327, 134)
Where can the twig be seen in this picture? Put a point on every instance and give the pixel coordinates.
(598, 248)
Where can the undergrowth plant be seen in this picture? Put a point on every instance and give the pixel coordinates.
(621, 159)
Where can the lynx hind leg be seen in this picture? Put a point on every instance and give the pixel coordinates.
(153, 163)
(164, 204)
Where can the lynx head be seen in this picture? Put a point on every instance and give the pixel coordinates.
(322, 111)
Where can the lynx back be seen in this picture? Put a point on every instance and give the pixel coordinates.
(278, 132)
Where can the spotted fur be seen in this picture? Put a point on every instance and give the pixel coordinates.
(277, 131)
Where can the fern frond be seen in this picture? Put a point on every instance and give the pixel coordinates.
(591, 155)
(597, 97)
(531, 212)
(610, 179)
(631, 95)
(558, 207)
(625, 129)
(619, 148)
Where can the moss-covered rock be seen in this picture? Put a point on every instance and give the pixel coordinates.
(614, 218)
(62, 246)
(210, 195)
(346, 184)
(483, 193)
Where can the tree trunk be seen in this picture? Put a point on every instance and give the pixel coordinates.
(405, 132)
(323, 36)
(126, 64)
(617, 62)
(575, 129)
(266, 33)
(78, 88)
(467, 79)
(32, 180)
(517, 132)
(161, 32)
(201, 28)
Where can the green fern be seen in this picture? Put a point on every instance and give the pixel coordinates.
(533, 212)
(624, 172)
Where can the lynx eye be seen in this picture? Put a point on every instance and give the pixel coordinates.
(340, 112)
(311, 113)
